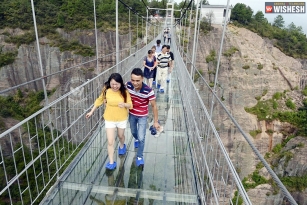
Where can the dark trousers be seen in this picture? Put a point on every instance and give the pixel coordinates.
(155, 73)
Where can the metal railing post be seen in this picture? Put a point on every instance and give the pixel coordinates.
(117, 39)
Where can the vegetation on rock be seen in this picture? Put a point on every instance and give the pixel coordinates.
(271, 109)
(290, 39)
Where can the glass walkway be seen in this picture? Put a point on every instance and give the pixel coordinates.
(166, 178)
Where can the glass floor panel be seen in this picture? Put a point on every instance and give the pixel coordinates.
(166, 178)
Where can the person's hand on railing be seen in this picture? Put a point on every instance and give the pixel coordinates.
(88, 115)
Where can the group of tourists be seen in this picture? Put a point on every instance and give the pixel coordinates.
(130, 101)
(158, 65)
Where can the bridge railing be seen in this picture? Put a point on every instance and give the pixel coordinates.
(36, 151)
(217, 179)
(227, 149)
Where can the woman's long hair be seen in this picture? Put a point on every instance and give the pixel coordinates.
(118, 78)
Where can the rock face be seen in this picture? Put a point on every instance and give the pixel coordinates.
(27, 65)
(293, 164)
(78, 69)
(268, 71)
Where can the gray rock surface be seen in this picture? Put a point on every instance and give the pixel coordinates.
(239, 87)
(26, 67)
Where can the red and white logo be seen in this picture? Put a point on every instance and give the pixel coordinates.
(268, 9)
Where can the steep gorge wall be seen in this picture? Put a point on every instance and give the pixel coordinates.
(26, 66)
(239, 87)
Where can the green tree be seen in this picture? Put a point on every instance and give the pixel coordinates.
(292, 27)
(241, 13)
(279, 21)
(259, 17)
(16, 14)
(7, 58)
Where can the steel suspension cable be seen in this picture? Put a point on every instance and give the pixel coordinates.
(39, 53)
(185, 10)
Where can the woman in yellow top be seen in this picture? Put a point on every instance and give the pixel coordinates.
(118, 101)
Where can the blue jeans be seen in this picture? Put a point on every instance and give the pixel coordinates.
(138, 131)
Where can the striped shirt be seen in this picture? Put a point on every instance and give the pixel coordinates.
(164, 59)
(140, 99)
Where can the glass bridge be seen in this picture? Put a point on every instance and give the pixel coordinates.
(57, 157)
(168, 176)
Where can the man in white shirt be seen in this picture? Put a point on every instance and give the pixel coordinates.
(158, 46)
(164, 62)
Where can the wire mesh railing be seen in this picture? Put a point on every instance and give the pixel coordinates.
(248, 162)
(36, 151)
(218, 181)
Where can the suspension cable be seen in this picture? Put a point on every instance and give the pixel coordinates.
(135, 12)
(185, 10)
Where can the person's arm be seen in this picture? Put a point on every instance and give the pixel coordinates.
(156, 62)
(173, 60)
(125, 105)
(171, 66)
(98, 102)
(88, 115)
(129, 101)
(128, 104)
(144, 62)
(155, 113)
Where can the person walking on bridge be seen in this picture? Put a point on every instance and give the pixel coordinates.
(149, 64)
(158, 46)
(164, 60)
(118, 101)
(170, 65)
(169, 36)
(155, 54)
(141, 96)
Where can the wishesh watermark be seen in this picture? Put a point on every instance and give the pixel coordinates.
(285, 7)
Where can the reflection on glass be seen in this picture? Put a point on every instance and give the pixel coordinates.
(136, 182)
(117, 181)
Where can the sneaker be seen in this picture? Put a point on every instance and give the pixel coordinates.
(123, 150)
(167, 80)
(153, 82)
(139, 161)
(111, 166)
(136, 143)
(158, 86)
(161, 90)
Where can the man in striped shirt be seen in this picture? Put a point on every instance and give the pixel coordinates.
(164, 61)
(141, 96)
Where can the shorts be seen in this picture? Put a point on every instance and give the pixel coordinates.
(119, 124)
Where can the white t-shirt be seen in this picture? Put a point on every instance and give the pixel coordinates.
(158, 48)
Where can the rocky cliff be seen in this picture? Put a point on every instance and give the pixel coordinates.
(256, 69)
(77, 68)
(26, 66)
